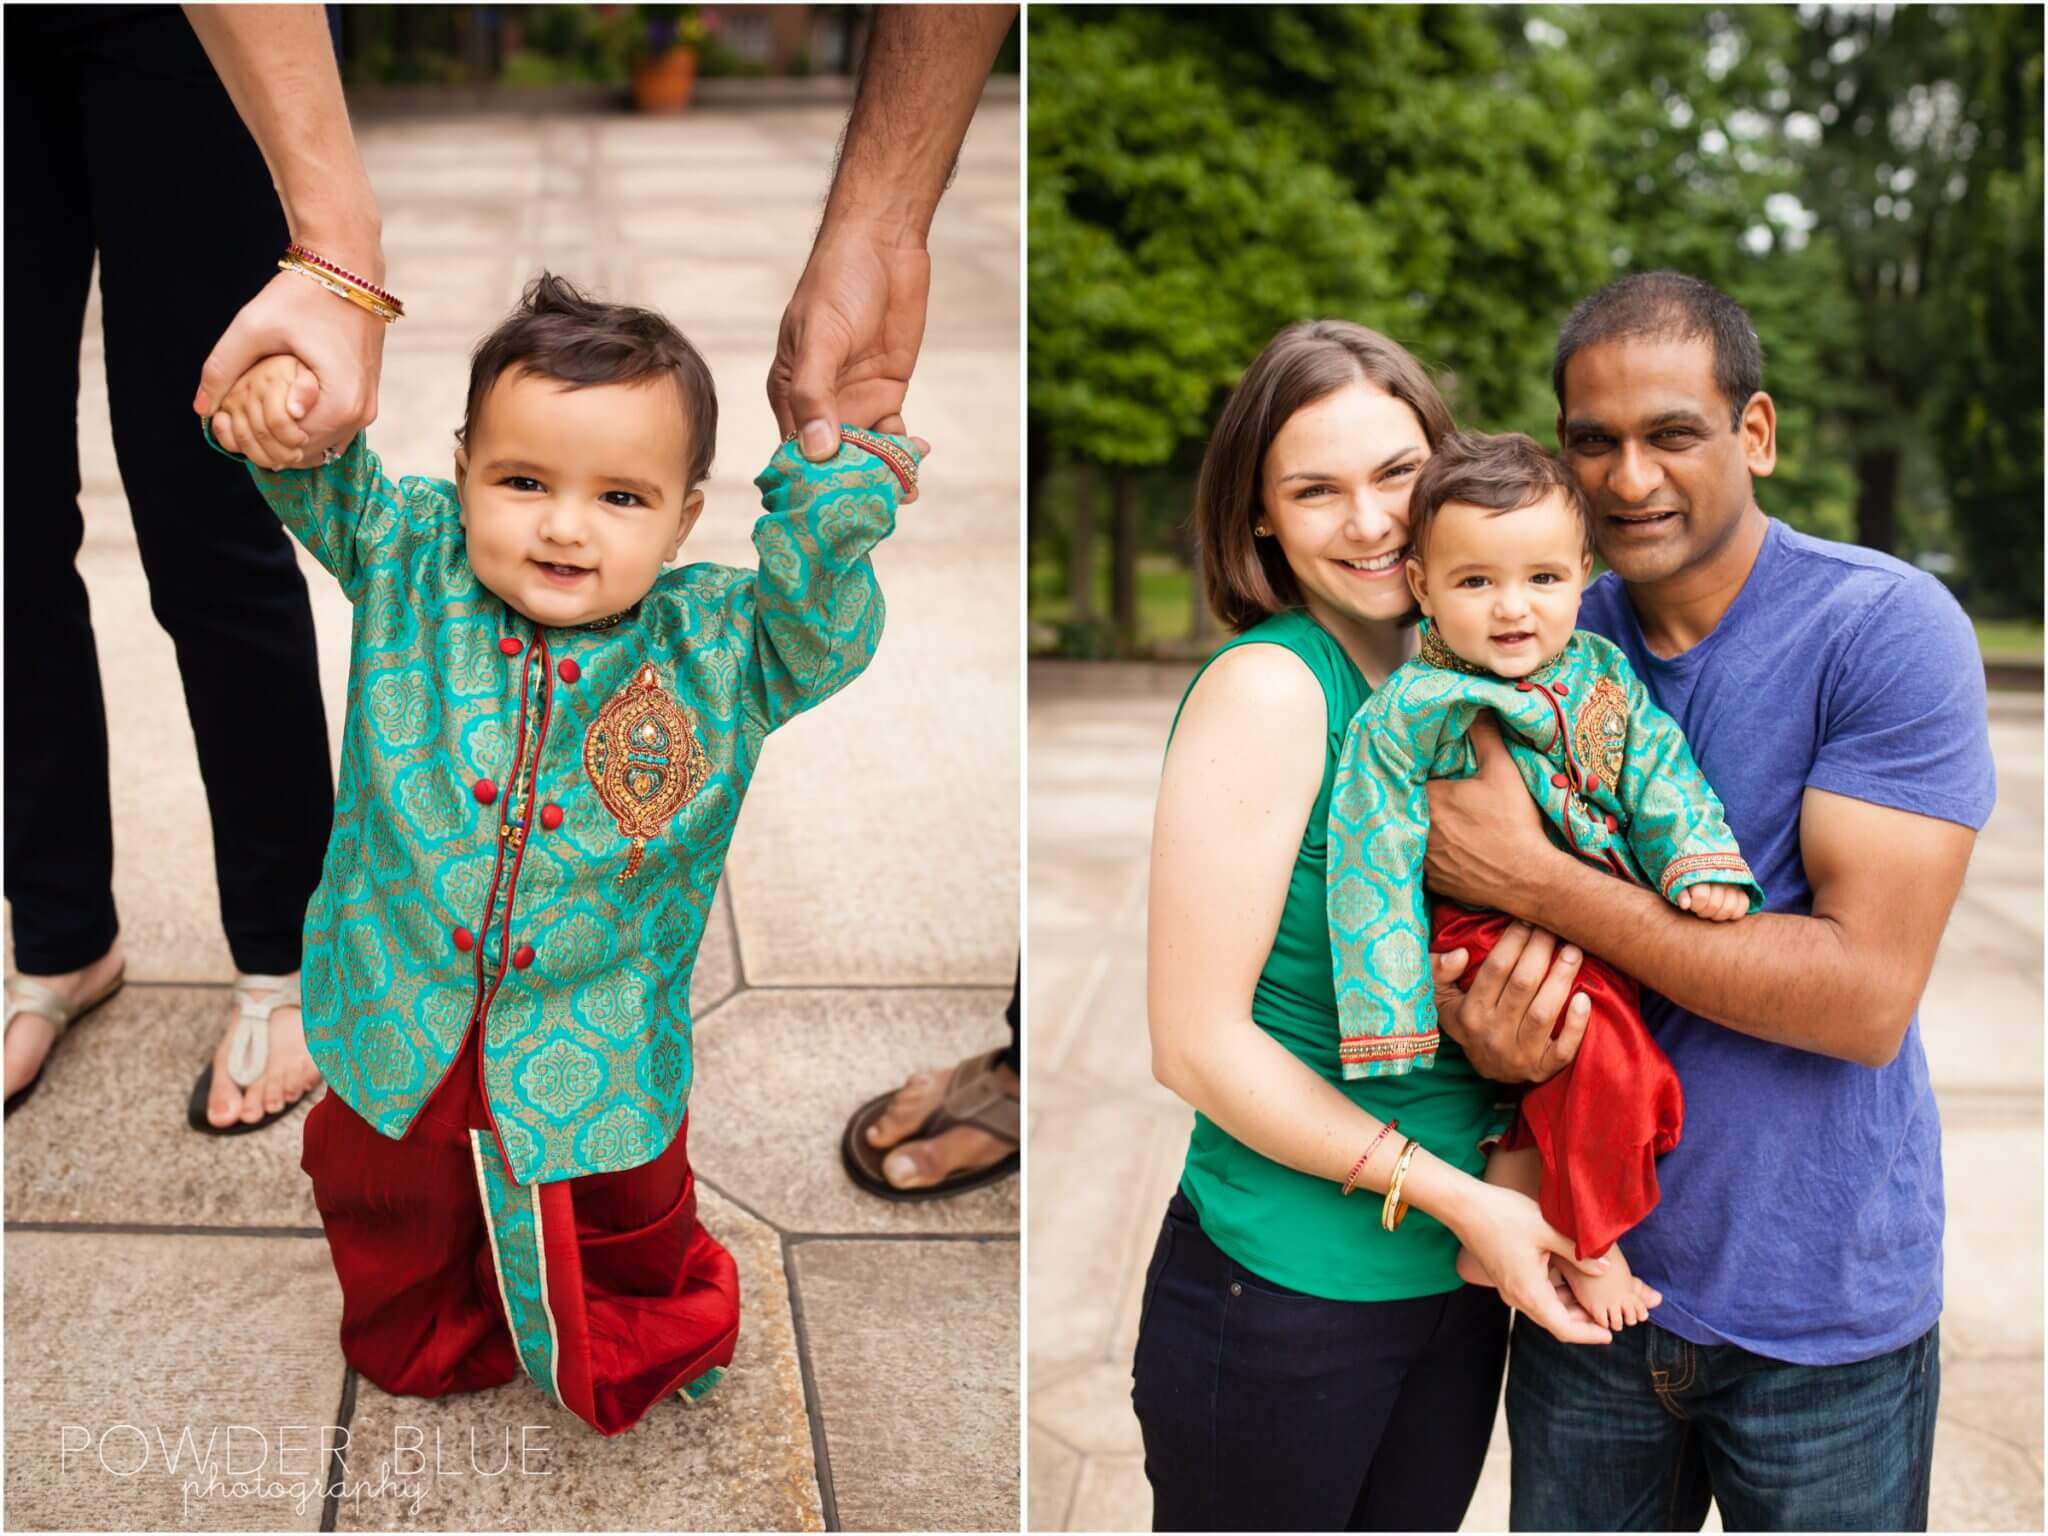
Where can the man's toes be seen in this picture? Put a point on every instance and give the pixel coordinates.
(905, 1112)
(921, 1164)
(910, 1166)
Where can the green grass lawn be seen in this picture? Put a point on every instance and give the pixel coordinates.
(2009, 639)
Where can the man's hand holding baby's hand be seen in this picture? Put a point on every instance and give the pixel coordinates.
(259, 417)
(1716, 903)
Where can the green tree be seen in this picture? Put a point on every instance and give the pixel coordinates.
(1986, 406)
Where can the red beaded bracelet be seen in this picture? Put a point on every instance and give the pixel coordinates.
(1365, 1157)
(314, 259)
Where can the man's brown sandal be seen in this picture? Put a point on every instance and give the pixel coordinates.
(28, 996)
(974, 1095)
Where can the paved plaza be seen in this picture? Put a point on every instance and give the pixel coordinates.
(1107, 1141)
(161, 1284)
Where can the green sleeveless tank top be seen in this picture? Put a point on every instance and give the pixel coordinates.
(1285, 1226)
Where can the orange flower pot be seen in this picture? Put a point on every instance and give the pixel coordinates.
(664, 83)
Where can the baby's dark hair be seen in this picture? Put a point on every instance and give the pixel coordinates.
(560, 334)
(1502, 472)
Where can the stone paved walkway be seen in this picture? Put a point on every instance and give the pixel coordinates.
(1107, 1141)
(867, 925)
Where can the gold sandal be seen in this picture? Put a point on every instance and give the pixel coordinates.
(27, 995)
(248, 1052)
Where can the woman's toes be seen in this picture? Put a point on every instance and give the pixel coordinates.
(28, 1046)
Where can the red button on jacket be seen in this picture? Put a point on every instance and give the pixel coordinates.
(509, 646)
(486, 791)
(569, 670)
(463, 940)
(522, 957)
(551, 816)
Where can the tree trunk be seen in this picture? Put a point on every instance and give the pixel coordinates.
(1081, 546)
(1124, 563)
(1877, 498)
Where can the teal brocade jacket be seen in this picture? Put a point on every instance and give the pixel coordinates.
(1609, 770)
(530, 822)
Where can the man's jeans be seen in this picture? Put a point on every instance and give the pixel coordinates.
(1640, 1434)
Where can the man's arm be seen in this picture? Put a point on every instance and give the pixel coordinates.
(277, 63)
(1843, 982)
(850, 337)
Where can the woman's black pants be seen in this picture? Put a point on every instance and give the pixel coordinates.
(1265, 1409)
(121, 141)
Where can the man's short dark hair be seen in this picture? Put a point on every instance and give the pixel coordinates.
(1502, 472)
(560, 334)
(1669, 306)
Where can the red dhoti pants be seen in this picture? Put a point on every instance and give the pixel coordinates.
(602, 1289)
(1601, 1124)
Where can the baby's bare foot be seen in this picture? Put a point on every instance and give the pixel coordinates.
(1616, 1299)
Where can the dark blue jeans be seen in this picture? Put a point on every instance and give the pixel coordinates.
(1265, 1409)
(1640, 1434)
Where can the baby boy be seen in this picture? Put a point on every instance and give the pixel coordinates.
(548, 738)
(1499, 554)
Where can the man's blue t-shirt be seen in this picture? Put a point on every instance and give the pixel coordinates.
(1801, 1212)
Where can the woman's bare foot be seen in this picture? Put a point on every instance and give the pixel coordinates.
(288, 1071)
(1616, 1299)
(30, 1036)
(921, 1164)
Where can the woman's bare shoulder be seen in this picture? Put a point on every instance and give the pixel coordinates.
(1256, 687)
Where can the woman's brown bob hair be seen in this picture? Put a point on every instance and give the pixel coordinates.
(1247, 578)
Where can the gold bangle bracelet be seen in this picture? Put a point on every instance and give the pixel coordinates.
(341, 289)
(1392, 1209)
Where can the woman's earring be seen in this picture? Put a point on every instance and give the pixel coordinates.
(1261, 531)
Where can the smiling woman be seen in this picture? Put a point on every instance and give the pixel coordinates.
(1282, 1322)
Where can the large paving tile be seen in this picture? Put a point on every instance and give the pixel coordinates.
(1112, 1496)
(2000, 1398)
(1112, 1046)
(149, 1377)
(1980, 1022)
(740, 1460)
(1091, 1412)
(1087, 1178)
(895, 808)
(1054, 1471)
(914, 1349)
(779, 1072)
(135, 1060)
(1066, 971)
(1083, 892)
(1992, 1253)
(1982, 1482)
(1167, 1146)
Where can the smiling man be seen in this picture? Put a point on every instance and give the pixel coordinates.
(1835, 699)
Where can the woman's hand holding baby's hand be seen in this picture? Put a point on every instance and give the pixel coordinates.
(1507, 1234)
(259, 418)
(1715, 902)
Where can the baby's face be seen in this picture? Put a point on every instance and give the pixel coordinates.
(573, 499)
(1503, 588)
